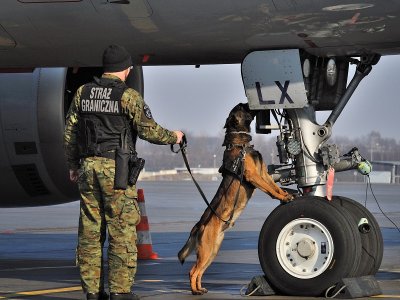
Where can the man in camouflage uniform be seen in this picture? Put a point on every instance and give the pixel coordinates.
(101, 113)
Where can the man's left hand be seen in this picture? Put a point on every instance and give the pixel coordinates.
(179, 136)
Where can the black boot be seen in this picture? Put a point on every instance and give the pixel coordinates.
(127, 296)
(92, 296)
(104, 296)
(97, 296)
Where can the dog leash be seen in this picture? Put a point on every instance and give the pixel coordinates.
(182, 149)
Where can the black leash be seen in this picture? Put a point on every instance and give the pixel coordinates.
(182, 149)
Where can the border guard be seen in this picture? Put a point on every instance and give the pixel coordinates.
(103, 122)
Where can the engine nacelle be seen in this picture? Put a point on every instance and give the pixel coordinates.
(33, 106)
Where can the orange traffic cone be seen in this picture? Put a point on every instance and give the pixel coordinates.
(144, 244)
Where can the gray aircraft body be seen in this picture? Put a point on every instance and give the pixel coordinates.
(42, 43)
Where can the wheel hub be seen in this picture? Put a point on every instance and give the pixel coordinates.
(304, 248)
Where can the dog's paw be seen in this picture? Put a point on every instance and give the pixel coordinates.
(288, 198)
(200, 291)
(196, 293)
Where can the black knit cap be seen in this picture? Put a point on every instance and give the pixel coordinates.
(116, 58)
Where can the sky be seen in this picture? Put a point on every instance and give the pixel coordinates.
(198, 101)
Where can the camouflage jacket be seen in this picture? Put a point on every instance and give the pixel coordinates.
(133, 106)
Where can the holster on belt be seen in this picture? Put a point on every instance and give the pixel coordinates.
(121, 168)
(136, 165)
(127, 165)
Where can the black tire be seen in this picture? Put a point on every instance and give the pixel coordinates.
(371, 242)
(345, 257)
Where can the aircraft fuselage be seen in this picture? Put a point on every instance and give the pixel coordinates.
(54, 33)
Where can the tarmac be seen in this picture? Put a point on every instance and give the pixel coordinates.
(37, 254)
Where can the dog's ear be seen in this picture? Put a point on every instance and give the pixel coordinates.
(230, 121)
(251, 113)
(237, 107)
(246, 107)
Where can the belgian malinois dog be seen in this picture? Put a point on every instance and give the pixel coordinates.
(243, 171)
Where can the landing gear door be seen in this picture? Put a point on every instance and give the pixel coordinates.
(274, 80)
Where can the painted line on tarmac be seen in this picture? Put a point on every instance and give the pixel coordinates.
(43, 292)
(38, 268)
(387, 296)
(150, 280)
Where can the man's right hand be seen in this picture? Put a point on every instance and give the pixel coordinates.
(179, 136)
(73, 175)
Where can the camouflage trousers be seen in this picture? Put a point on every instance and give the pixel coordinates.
(105, 209)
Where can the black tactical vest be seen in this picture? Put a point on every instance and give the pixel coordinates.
(102, 125)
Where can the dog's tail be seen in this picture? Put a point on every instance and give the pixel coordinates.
(186, 250)
(189, 246)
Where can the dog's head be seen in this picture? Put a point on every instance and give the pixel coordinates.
(239, 118)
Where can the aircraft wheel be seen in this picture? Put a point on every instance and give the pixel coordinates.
(371, 236)
(306, 246)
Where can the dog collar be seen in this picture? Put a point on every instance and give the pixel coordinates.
(238, 132)
(243, 146)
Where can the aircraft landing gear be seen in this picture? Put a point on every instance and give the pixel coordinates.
(311, 244)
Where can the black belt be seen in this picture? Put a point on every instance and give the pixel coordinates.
(108, 154)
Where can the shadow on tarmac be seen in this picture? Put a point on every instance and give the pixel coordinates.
(39, 261)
